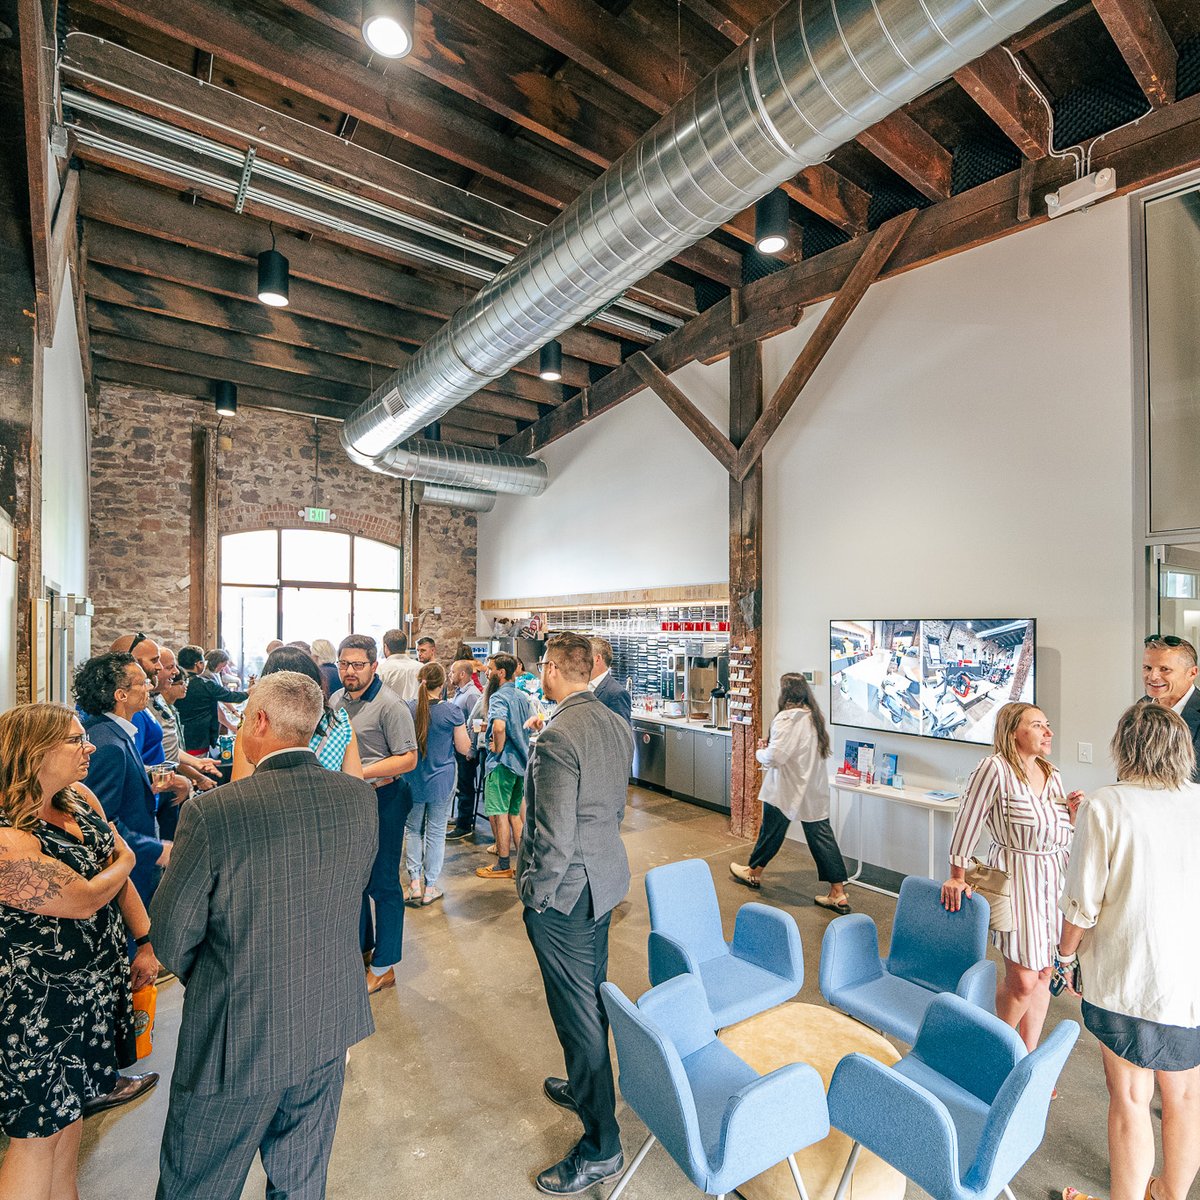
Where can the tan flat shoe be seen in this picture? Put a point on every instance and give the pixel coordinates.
(377, 983)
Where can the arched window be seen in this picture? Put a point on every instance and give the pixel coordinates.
(303, 584)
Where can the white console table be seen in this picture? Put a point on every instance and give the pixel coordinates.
(913, 798)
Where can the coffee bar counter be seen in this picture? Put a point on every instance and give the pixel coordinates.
(682, 757)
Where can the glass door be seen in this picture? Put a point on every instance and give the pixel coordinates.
(1175, 571)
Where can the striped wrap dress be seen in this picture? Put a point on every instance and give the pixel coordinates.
(1032, 844)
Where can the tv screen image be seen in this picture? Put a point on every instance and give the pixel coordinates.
(941, 678)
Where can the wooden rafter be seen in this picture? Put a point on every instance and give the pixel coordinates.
(995, 85)
(705, 432)
(878, 249)
(919, 159)
(1145, 45)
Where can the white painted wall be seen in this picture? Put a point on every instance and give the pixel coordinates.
(64, 457)
(965, 449)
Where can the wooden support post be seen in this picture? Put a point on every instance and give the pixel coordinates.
(745, 582)
(202, 594)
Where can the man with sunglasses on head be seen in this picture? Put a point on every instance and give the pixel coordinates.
(387, 745)
(1169, 676)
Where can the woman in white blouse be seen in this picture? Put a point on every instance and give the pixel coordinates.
(1017, 794)
(1129, 909)
(796, 787)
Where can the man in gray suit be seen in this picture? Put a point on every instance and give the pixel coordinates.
(258, 916)
(571, 873)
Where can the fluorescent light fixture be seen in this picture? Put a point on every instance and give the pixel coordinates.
(273, 278)
(226, 398)
(771, 223)
(387, 26)
(550, 362)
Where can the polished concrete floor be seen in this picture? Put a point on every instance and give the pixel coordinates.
(444, 1101)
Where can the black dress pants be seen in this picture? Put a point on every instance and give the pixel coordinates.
(468, 772)
(818, 834)
(572, 952)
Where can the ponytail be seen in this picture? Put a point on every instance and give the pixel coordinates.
(431, 678)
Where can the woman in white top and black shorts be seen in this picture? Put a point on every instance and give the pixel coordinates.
(796, 787)
(1129, 914)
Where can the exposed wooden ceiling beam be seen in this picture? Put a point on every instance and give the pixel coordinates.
(1145, 45)
(918, 158)
(832, 196)
(994, 84)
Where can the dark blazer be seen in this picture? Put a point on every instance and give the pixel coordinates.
(575, 802)
(118, 776)
(197, 708)
(1191, 714)
(258, 916)
(612, 695)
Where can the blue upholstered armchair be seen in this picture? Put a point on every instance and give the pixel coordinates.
(720, 1120)
(932, 951)
(962, 1112)
(762, 967)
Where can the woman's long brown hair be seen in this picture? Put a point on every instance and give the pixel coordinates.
(27, 734)
(431, 678)
(794, 692)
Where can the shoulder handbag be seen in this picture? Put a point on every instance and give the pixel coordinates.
(994, 884)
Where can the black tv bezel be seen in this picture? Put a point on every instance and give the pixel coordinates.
(1033, 621)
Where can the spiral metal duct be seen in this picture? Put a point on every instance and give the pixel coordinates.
(461, 466)
(445, 496)
(806, 81)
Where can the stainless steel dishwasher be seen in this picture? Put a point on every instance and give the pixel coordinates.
(649, 753)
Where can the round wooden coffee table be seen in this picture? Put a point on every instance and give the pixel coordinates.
(820, 1037)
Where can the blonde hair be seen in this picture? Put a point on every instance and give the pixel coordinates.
(27, 734)
(1004, 739)
(1153, 746)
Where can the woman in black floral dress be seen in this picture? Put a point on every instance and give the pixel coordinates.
(65, 1008)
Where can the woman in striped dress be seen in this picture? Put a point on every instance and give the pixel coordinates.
(1017, 795)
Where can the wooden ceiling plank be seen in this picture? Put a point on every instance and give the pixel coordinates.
(831, 196)
(1145, 45)
(904, 146)
(994, 84)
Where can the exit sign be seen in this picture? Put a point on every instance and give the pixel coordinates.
(318, 516)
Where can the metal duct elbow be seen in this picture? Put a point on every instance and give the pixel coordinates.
(807, 81)
(464, 467)
(444, 496)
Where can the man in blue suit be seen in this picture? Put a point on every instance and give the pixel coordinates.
(111, 689)
(607, 690)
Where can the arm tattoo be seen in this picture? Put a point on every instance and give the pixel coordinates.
(31, 883)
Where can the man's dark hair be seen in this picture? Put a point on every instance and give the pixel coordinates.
(573, 655)
(426, 641)
(394, 641)
(214, 660)
(189, 656)
(292, 658)
(97, 681)
(508, 664)
(359, 641)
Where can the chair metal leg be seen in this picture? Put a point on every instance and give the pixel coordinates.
(627, 1174)
(1008, 1192)
(791, 1161)
(844, 1184)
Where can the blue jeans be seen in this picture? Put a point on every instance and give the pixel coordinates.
(385, 934)
(432, 846)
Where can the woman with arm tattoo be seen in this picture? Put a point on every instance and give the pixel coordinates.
(65, 1001)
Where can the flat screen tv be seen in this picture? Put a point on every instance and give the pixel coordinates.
(943, 678)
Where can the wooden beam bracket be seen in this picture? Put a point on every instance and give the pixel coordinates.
(705, 432)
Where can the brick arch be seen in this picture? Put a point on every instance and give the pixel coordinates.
(283, 516)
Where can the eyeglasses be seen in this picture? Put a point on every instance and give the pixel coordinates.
(542, 663)
(343, 665)
(78, 739)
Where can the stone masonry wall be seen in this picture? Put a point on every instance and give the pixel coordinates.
(141, 467)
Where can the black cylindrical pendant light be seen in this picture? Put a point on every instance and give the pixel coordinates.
(550, 362)
(771, 223)
(273, 278)
(225, 394)
(387, 26)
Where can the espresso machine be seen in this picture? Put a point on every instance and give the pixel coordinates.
(707, 670)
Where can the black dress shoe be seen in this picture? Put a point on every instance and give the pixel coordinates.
(455, 834)
(129, 1088)
(558, 1091)
(576, 1174)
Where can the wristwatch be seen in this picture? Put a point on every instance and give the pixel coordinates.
(144, 940)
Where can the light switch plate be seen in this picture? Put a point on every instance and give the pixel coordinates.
(1085, 752)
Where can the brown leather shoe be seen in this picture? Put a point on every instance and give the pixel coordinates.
(377, 983)
(496, 872)
(130, 1087)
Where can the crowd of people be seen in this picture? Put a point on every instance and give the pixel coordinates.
(335, 768)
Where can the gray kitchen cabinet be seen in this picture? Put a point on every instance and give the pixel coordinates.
(681, 762)
(729, 773)
(709, 756)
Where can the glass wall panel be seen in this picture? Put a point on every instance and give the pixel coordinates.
(376, 564)
(310, 613)
(249, 619)
(376, 612)
(315, 555)
(250, 557)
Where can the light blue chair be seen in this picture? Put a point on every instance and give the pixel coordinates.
(962, 1112)
(932, 951)
(764, 965)
(720, 1120)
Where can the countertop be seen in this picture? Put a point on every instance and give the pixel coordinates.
(678, 723)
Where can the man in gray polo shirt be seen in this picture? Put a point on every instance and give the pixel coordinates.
(387, 745)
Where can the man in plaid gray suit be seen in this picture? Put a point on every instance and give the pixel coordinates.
(258, 915)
